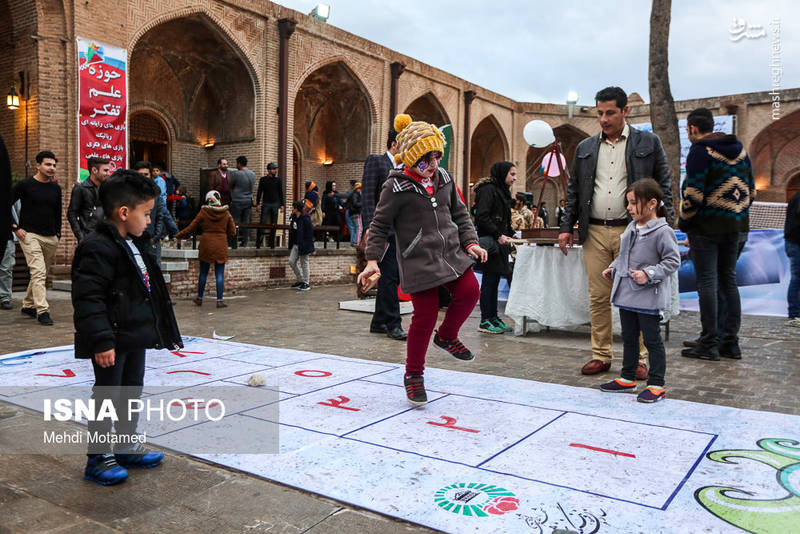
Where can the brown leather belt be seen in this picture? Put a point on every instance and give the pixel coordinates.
(609, 222)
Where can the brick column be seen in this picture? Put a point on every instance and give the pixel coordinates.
(286, 28)
(469, 96)
(397, 69)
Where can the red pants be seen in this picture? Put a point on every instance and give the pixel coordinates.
(465, 294)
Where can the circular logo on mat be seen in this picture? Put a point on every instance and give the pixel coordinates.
(476, 500)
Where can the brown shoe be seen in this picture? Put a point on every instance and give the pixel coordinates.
(198, 301)
(641, 372)
(594, 367)
(221, 304)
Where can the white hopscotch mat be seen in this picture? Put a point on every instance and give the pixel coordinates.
(486, 454)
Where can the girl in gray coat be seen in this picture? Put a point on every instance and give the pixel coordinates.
(648, 255)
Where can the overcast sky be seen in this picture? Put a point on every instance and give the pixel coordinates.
(534, 51)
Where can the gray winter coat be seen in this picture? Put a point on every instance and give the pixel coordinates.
(654, 250)
(431, 231)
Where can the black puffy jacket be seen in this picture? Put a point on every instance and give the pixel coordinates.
(112, 306)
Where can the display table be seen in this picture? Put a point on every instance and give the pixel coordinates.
(552, 289)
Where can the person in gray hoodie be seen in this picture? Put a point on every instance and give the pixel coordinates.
(648, 255)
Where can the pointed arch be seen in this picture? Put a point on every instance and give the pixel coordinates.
(772, 151)
(488, 146)
(349, 68)
(191, 66)
(428, 108)
(223, 31)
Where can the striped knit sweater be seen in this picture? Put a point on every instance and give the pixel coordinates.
(719, 187)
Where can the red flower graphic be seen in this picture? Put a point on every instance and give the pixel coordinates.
(501, 505)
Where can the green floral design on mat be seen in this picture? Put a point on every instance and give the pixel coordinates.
(767, 516)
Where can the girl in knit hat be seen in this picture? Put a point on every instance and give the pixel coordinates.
(216, 224)
(436, 246)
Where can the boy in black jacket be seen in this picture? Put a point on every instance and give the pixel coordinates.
(121, 307)
(301, 244)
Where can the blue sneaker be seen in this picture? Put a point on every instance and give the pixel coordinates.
(138, 457)
(104, 469)
(651, 394)
(619, 385)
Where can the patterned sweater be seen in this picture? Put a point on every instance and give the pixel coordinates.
(719, 187)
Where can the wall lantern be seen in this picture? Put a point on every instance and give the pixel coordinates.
(12, 99)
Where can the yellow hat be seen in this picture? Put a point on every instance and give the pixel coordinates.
(415, 139)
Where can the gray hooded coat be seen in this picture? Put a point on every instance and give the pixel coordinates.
(654, 250)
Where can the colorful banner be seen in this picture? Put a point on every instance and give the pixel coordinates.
(102, 104)
(722, 123)
(762, 274)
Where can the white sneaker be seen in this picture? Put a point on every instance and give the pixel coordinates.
(794, 322)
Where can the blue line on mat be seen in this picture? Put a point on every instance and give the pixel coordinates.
(389, 417)
(521, 440)
(686, 478)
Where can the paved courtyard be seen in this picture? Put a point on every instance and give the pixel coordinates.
(46, 493)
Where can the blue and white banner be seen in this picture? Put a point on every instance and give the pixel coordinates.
(762, 274)
(722, 123)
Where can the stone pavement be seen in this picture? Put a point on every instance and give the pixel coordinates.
(47, 494)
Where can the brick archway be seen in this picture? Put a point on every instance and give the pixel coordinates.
(488, 146)
(188, 66)
(774, 152)
(333, 124)
(793, 185)
(149, 138)
(427, 108)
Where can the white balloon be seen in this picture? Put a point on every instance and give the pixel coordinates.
(538, 134)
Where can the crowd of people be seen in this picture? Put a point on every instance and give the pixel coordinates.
(418, 234)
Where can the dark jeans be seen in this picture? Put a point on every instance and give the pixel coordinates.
(269, 215)
(219, 273)
(387, 305)
(240, 211)
(649, 325)
(714, 258)
(722, 307)
(119, 383)
(793, 295)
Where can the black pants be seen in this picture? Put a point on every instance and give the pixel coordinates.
(269, 215)
(714, 258)
(119, 383)
(387, 305)
(489, 285)
(650, 327)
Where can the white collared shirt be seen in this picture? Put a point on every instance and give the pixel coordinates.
(611, 178)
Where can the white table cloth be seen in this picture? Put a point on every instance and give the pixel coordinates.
(552, 290)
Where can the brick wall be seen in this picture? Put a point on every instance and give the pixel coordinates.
(251, 269)
(250, 27)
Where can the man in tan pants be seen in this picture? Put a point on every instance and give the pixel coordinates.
(603, 168)
(38, 231)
